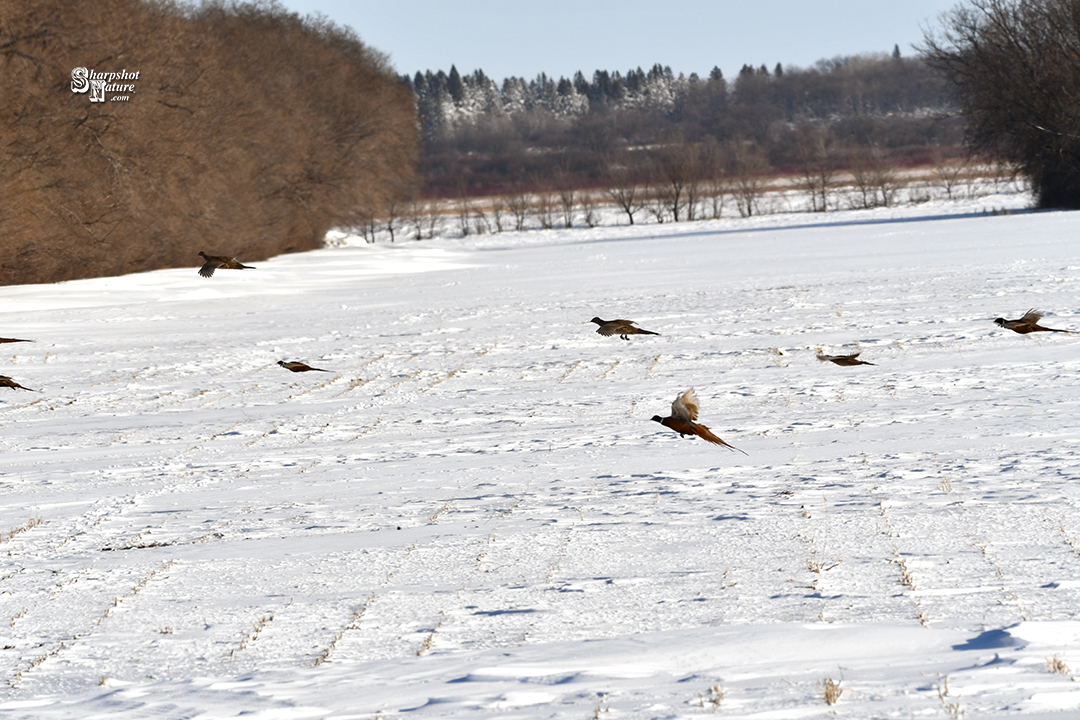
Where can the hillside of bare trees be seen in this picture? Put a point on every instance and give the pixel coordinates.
(481, 136)
(238, 129)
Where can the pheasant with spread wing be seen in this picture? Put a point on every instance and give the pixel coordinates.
(1028, 323)
(845, 360)
(213, 262)
(683, 420)
(622, 328)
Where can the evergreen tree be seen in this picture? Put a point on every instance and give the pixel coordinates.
(455, 85)
(600, 90)
(661, 73)
(438, 83)
(617, 90)
(515, 96)
(581, 84)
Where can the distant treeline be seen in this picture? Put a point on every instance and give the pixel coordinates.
(238, 129)
(483, 136)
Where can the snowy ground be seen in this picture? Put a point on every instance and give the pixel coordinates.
(472, 516)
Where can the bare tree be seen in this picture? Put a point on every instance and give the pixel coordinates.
(677, 181)
(416, 214)
(393, 211)
(624, 190)
(433, 223)
(498, 212)
(396, 207)
(464, 213)
(948, 171)
(545, 208)
(480, 220)
(816, 155)
(863, 195)
(885, 176)
(715, 183)
(876, 178)
(750, 163)
(518, 203)
(694, 192)
(715, 190)
(365, 225)
(657, 200)
(1004, 173)
(587, 203)
(1014, 63)
(567, 197)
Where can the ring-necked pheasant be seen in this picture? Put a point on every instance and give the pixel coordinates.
(1029, 323)
(684, 412)
(846, 360)
(213, 262)
(299, 367)
(622, 328)
(5, 381)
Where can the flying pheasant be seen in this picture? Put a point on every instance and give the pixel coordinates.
(1029, 323)
(684, 412)
(299, 367)
(622, 328)
(7, 340)
(5, 381)
(846, 360)
(213, 262)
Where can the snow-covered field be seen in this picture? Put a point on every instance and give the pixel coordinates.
(472, 516)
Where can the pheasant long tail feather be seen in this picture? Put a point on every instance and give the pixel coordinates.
(705, 434)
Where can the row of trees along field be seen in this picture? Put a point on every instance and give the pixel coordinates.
(481, 137)
(249, 131)
(252, 131)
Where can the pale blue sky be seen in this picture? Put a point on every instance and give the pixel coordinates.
(560, 37)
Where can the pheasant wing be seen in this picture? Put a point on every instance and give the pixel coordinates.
(607, 329)
(615, 327)
(685, 406)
